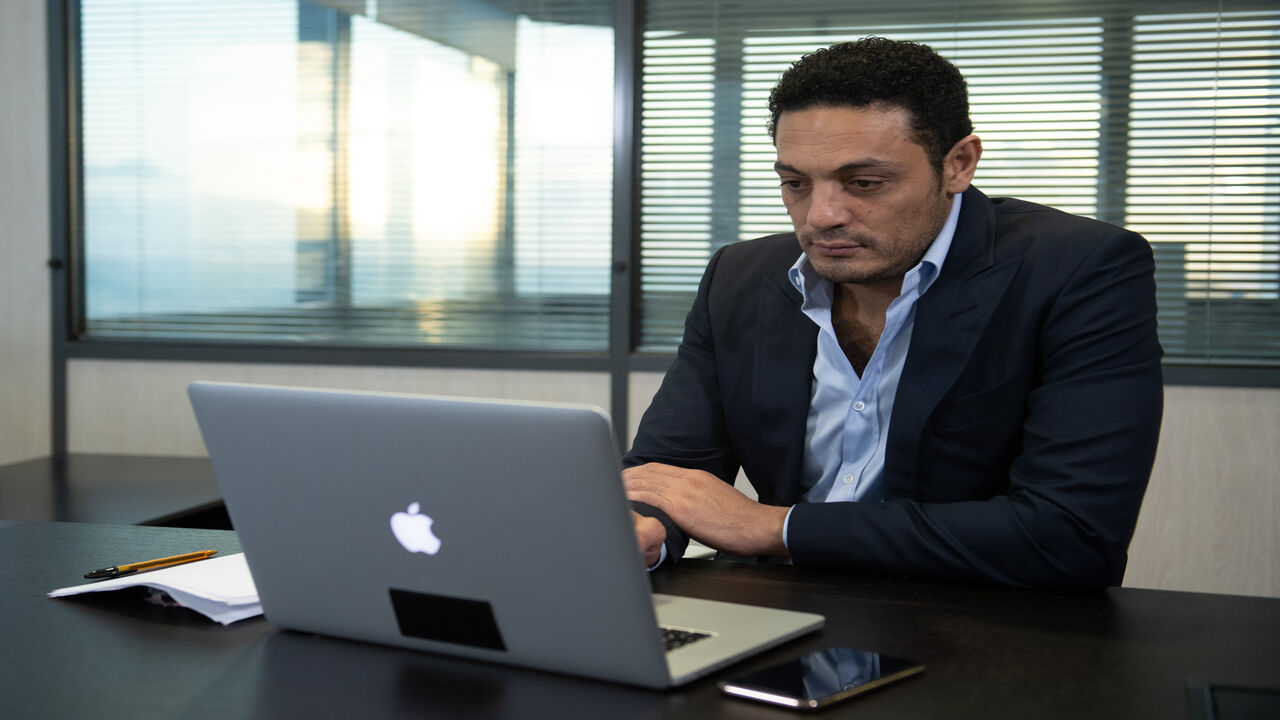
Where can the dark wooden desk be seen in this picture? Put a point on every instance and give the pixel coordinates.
(118, 489)
(990, 652)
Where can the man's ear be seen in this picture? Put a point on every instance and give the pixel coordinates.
(960, 164)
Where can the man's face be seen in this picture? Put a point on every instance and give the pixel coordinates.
(864, 198)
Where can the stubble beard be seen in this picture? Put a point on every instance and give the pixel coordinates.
(892, 260)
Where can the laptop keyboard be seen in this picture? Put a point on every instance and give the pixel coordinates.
(673, 638)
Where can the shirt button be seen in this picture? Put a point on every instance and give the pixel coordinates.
(848, 479)
(859, 406)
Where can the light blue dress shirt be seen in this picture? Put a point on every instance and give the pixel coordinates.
(848, 423)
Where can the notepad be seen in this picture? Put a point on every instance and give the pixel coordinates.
(219, 588)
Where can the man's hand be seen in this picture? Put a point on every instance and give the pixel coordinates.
(713, 512)
(651, 535)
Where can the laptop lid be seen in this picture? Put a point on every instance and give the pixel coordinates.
(491, 530)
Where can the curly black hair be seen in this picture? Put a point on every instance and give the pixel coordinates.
(877, 70)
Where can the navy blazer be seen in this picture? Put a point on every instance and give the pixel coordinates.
(1026, 419)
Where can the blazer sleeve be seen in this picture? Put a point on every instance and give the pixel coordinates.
(1070, 501)
(684, 424)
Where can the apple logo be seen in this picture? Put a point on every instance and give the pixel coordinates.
(413, 530)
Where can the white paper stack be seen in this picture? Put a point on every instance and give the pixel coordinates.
(219, 588)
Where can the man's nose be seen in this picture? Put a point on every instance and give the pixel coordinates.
(828, 207)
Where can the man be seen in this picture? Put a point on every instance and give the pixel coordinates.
(920, 379)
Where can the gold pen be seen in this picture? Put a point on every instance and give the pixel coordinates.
(145, 565)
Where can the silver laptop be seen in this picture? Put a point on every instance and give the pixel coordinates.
(497, 531)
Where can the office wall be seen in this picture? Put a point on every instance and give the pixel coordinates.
(142, 408)
(1211, 518)
(24, 233)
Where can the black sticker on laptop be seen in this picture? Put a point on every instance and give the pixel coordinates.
(460, 621)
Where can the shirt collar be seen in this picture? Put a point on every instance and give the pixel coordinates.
(805, 280)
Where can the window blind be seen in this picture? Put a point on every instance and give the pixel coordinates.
(1159, 116)
(1204, 179)
(405, 173)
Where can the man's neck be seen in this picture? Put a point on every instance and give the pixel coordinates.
(858, 316)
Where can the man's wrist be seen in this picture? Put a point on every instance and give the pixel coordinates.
(786, 526)
(772, 540)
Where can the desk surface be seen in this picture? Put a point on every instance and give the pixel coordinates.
(124, 489)
(990, 652)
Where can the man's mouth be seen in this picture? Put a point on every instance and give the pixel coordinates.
(836, 241)
(837, 249)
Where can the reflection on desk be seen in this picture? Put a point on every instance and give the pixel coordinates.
(293, 675)
(990, 652)
(124, 489)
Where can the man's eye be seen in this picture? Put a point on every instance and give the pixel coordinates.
(791, 184)
(866, 184)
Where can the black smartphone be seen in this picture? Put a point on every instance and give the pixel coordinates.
(819, 679)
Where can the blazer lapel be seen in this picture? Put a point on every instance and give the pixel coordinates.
(783, 378)
(950, 318)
